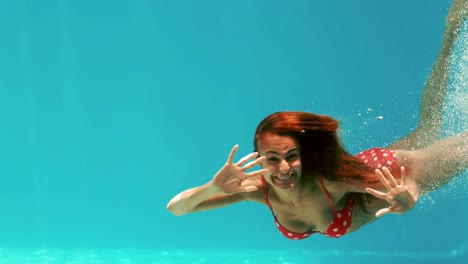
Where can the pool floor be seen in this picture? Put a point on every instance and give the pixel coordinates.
(238, 256)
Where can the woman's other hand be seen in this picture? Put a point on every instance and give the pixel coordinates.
(234, 178)
(401, 196)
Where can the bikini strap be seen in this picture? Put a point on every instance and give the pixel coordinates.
(330, 201)
(265, 190)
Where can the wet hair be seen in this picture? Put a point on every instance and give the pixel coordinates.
(322, 152)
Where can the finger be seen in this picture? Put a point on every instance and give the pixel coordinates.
(390, 177)
(253, 163)
(376, 193)
(255, 173)
(383, 179)
(247, 189)
(403, 176)
(246, 158)
(232, 153)
(382, 212)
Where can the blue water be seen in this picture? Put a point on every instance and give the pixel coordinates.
(109, 108)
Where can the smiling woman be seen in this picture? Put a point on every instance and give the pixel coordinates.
(313, 185)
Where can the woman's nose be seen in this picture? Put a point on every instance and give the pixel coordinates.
(284, 167)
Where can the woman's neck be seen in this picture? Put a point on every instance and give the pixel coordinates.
(296, 194)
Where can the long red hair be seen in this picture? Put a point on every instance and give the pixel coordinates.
(322, 152)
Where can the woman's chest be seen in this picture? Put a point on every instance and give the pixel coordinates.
(311, 214)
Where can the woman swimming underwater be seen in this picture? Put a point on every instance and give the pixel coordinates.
(310, 182)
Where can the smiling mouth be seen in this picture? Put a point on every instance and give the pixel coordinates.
(284, 179)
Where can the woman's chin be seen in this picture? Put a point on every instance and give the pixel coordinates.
(285, 182)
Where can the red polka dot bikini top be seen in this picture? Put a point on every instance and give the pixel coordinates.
(341, 219)
(376, 158)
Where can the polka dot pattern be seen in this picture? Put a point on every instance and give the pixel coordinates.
(377, 158)
(341, 222)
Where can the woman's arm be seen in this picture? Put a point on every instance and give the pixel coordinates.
(201, 198)
(230, 184)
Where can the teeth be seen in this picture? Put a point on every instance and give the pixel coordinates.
(287, 177)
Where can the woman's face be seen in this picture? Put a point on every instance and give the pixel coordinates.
(283, 159)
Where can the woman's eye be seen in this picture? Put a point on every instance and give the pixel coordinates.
(272, 159)
(292, 157)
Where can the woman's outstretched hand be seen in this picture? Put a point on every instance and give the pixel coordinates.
(233, 178)
(401, 196)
